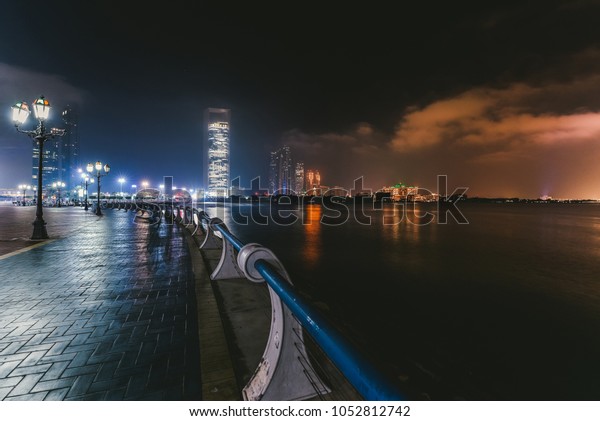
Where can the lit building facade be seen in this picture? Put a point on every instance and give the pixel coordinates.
(299, 186)
(168, 187)
(313, 183)
(401, 192)
(281, 180)
(61, 156)
(69, 154)
(216, 152)
(273, 172)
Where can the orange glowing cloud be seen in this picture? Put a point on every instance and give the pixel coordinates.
(518, 113)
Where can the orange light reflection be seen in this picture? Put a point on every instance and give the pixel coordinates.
(312, 234)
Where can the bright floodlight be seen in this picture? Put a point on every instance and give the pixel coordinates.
(90, 167)
(98, 165)
(20, 112)
(41, 107)
(106, 168)
(121, 180)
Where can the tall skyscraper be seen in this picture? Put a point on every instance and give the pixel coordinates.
(299, 178)
(273, 172)
(281, 179)
(69, 153)
(168, 187)
(310, 175)
(61, 155)
(50, 163)
(216, 151)
(313, 182)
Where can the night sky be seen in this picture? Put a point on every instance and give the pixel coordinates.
(503, 97)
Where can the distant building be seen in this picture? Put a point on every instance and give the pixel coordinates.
(61, 160)
(216, 151)
(299, 186)
(69, 155)
(168, 186)
(273, 172)
(401, 192)
(313, 183)
(50, 164)
(281, 180)
(313, 179)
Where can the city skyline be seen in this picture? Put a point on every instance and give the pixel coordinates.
(502, 98)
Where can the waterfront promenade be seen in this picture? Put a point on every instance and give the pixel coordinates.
(105, 310)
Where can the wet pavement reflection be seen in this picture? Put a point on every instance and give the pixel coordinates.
(106, 311)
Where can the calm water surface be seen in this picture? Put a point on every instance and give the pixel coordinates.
(504, 307)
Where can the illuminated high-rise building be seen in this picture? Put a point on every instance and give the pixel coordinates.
(50, 163)
(299, 178)
(310, 175)
(216, 151)
(281, 179)
(313, 182)
(69, 156)
(61, 155)
(168, 187)
(273, 172)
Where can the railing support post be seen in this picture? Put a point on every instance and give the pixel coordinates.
(280, 375)
(211, 241)
(228, 266)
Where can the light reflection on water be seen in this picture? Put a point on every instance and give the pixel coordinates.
(504, 307)
(312, 248)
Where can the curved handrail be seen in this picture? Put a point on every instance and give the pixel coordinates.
(359, 371)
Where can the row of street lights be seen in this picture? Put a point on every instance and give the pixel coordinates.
(41, 108)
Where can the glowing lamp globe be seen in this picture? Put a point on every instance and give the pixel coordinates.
(41, 108)
(20, 112)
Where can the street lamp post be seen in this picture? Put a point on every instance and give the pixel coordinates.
(87, 181)
(58, 186)
(20, 113)
(24, 187)
(99, 173)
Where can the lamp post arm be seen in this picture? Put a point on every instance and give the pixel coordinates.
(40, 132)
(30, 133)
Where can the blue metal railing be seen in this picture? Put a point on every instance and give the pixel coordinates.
(358, 370)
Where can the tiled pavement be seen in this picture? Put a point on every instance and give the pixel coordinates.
(107, 313)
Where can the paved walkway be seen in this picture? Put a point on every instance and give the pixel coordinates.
(107, 312)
